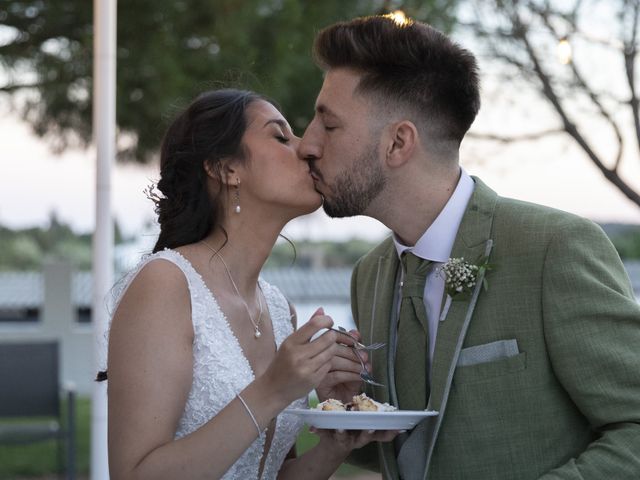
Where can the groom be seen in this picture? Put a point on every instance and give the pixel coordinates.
(536, 376)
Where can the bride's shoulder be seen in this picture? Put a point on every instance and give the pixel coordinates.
(166, 265)
(156, 274)
(154, 295)
(161, 269)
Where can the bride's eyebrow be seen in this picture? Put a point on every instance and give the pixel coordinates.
(284, 125)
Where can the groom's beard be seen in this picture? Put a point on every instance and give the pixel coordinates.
(356, 188)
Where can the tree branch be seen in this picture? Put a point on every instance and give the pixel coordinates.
(17, 86)
(516, 138)
(20, 86)
(505, 26)
(630, 53)
(590, 92)
(521, 33)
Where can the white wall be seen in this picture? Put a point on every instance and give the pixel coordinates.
(58, 322)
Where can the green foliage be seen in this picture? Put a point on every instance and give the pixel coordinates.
(627, 243)
(309, 254)
(168, 51)
(26, 249)
(21, 252)
(39, 459)
(349, 251)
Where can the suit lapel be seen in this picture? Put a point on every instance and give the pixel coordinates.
(381, 308)
(449, 332)
(382, 305)
(473, 242)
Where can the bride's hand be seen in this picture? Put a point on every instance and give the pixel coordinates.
(300, 363)
(343, 380)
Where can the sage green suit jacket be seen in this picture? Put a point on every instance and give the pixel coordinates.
(566, 405)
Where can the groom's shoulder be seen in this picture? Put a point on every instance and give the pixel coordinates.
(511, 210)
(528, 222)
(384, 249)
(514, 211)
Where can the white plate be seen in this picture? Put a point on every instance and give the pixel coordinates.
(398, 420)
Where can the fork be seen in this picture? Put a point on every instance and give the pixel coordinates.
(364, 373)
(357, 344)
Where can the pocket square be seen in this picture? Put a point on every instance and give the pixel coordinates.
(488, 352)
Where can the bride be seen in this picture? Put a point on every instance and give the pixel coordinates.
(203, 354)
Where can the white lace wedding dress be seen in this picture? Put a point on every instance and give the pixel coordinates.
(221, 370)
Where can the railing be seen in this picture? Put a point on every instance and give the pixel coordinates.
(55, 305)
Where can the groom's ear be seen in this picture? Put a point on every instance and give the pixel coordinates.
(401, 143)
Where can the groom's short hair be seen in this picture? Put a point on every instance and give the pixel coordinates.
(410, 64)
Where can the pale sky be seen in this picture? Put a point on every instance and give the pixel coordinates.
(35, 182)
(553, 172)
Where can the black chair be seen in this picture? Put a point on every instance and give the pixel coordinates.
(30, 399)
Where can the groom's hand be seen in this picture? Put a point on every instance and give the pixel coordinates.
(343, 380)
(347, 440)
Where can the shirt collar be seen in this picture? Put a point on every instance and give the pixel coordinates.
(437, 242)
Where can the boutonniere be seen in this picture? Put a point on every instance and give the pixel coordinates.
(460, 279)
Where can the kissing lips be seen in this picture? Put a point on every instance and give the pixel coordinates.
(316, 181)
(315, 174)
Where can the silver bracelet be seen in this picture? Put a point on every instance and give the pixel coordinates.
(246, 407)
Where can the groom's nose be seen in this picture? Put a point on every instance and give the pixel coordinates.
(310, 146)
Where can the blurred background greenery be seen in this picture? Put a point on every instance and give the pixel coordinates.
(169, 51)
(26, 249)
(578, 58)
(39, 460)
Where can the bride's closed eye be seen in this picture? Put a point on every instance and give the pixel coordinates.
(282, 139)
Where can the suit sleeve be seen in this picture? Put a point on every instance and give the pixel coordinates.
(592, 331)
(354, 294)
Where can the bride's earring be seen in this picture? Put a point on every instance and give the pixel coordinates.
(237, 195)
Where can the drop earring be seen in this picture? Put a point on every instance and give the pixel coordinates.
(237, 195)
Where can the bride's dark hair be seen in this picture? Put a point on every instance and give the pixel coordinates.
(210, 129)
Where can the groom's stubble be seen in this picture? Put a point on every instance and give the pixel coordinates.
(356, 186)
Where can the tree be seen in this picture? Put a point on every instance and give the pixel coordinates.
(168, 51)
(27, 248)
(581, 57)
(626, 241)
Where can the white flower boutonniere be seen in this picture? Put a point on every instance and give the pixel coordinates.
(460, 278)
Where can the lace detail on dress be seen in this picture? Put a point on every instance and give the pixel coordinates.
(221, 370)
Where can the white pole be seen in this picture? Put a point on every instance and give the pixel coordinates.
(104, 135)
